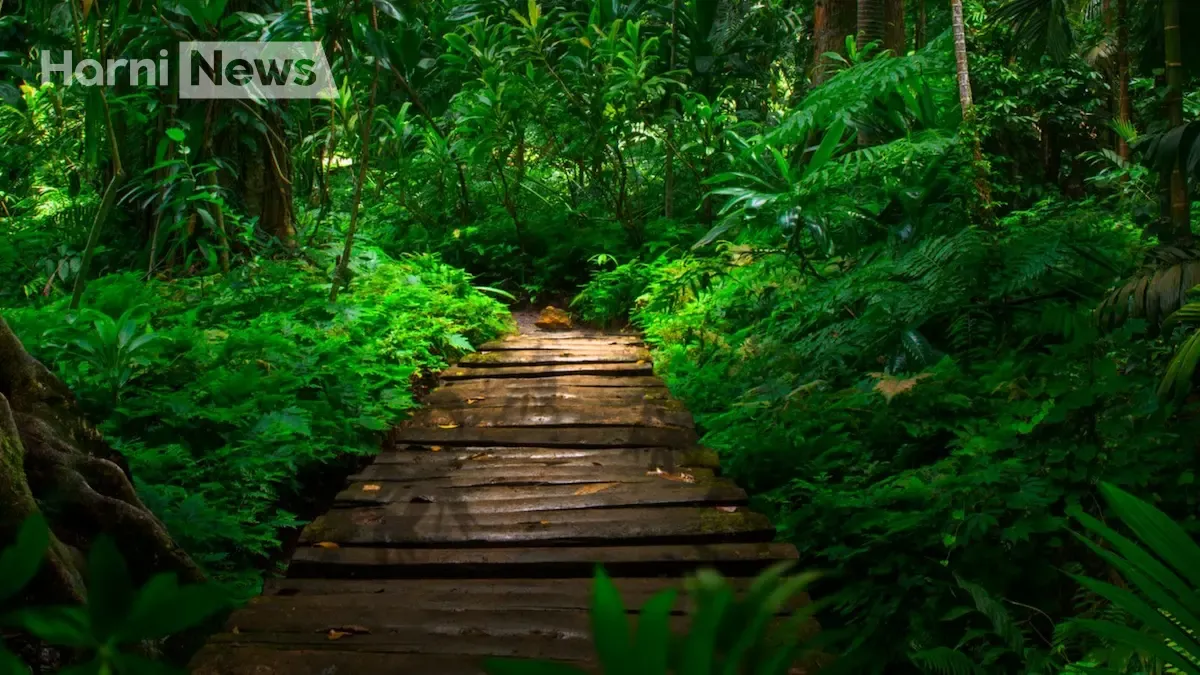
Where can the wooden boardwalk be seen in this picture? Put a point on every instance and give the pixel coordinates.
(475, 533)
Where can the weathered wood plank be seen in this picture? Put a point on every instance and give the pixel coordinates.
(464, 396)
(529, 474)
(257, 659)
(560, 341)
(453, 458)
(423, 644)
(458, 503)
(607, 369)
(577, 527)
(496, 594)
(741, 559)
(574, 437)
(547, 357)
(527, 471)
(558, 415)
(645, 383)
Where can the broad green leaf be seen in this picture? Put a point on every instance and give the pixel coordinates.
(163, 608)
(110, 589)
(62, 626)
(652, 639)
(610, 626)
(20, 562)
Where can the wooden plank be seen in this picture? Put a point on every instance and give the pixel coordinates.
(257, 659)
(613, 527)
(574, 437)
(423, 644)
(525, 471)
(509, 384)
(607, 369)
(497, 594)
(458, 457)
(547, 393)
(490, 593)
(396, 621)
(545, 357)
(558, 415)
(528, 474)
(560, 341)
(458, 503)
(741, 559)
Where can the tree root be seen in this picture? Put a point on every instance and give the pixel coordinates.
(53, 461)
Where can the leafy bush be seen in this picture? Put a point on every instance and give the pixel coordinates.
(251, 383)
(921, 420)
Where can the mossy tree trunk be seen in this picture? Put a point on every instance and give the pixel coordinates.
(53, 461)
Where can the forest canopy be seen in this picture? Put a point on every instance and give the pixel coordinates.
(920, 268)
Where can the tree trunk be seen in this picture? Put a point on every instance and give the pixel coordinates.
(833, 20)
(919, 37)
(960, 59)
(965, 99)
(267, 182)
(871, 23)
(895, 37)
(50, 455)
(1124, 104)
(1181, 227)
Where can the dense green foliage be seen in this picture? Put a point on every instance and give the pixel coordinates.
(920, 328)
(226, 397)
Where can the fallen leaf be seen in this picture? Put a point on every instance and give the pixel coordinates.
(891, 386)
(679, 477)
(351, 629)
(371, 488)
(235, 630)
(727, 509)
(593, 488)
(473, 401)
(435, 448)
(479, 455)
(448, 426)
(339, 632)
(543, 522)
(641, 362)
(325, 544)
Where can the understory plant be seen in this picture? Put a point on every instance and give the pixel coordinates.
(227, 395)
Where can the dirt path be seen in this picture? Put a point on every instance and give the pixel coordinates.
(476, 531)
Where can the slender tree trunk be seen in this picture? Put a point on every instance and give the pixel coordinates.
(339, 275)
(1181, 227)
(669, 168)
(1124, 104)
(895, 37)
(106, 202)
(833, 20)
(922, 24)
(967, 102)
(871, 23)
